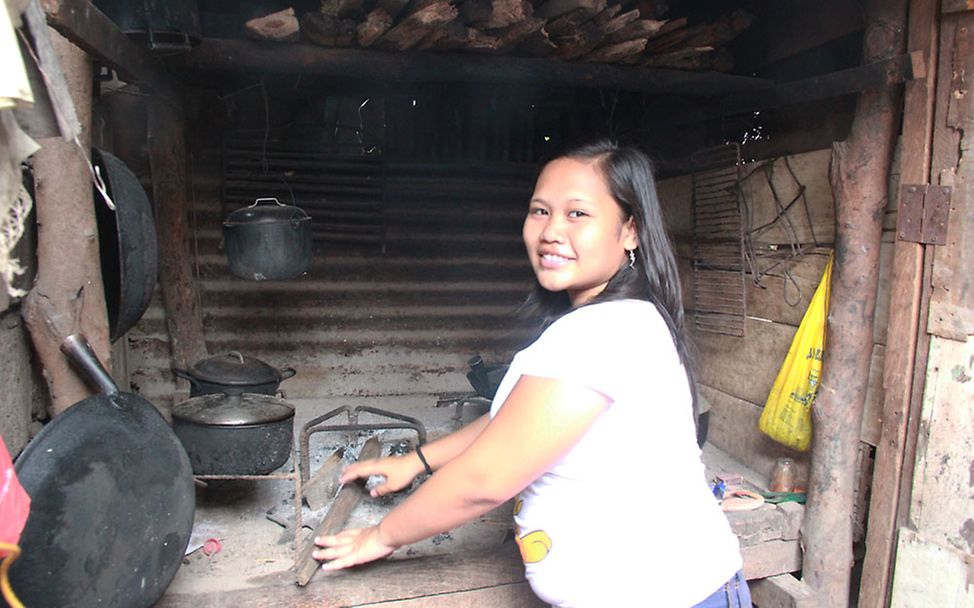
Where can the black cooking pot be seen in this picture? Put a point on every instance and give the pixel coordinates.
(268, 242)
(233, 373)
(239, 434)
(485, 379)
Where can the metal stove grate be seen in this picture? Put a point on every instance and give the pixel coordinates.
(718, 241)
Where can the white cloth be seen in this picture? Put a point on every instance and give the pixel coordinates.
(625, 518)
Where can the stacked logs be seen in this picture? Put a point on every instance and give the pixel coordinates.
(583, 30)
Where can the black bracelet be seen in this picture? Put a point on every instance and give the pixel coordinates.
(426, 465)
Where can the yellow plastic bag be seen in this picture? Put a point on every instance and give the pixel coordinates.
(787, 415)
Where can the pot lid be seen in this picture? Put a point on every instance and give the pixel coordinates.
(258, 213)
(218, 409)
(234, 369)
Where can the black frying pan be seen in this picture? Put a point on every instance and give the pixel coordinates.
(112, 500)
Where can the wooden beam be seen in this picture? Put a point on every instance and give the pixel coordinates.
(247, 56)
(904, 320)
(902, 68)
(87, 27)
(859, 176)
(782, 591)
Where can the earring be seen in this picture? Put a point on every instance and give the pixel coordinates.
(632, 258)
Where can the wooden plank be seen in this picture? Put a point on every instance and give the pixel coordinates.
(96, 34)
(350, 494)
(383, 581)
(734, 429)
(782, 591)
(743, 367)
(503, 596)
(377, 67)
(953, 294)
(904, 313)
(771, 558)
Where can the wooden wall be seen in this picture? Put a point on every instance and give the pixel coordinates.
(735, 374)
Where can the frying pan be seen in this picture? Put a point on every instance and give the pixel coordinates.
(112, 500)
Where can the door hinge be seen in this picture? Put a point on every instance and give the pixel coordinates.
(922, 216)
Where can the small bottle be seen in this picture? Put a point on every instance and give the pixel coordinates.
(783, 476)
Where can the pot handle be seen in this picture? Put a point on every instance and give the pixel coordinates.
(185, 375)
(84, 359)
(266, 199)
(287, 372)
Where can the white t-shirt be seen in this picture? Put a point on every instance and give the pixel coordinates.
(625, 518)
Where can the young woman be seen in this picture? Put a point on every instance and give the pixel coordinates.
(592, 428)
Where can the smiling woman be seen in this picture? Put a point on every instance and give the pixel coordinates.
(611, 363)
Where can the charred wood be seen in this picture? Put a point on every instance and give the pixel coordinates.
(328, 31)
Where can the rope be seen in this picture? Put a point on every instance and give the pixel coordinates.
(12, 552)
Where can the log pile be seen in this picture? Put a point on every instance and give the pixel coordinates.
(602, 31)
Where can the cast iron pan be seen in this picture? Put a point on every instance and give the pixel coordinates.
(112, 500)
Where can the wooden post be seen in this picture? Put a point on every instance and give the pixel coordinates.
(859, 175)
(167, 157)
(68, 295)
(904, 320)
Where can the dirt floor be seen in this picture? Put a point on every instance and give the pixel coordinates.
(244, 529)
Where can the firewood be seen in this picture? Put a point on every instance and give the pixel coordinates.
(683, 59)
(513, 35)
(644, 28)
(538, 44)
(714, 34)
(504, 13)
(617, 23)
(478, 41)
(552, 9)
(475, 11)
(416, 26)
(672, 25)
(281, 26)
(328, 31)
(375, 25)
(447, 37)
(617, 52)
(342, 9)
(319, 490)
(652, 9)
(392, 7)
(577, 43)
(571, 21)
(607, 14)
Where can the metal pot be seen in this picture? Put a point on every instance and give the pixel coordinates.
(240, 434)
(268, 242)
(233, 373)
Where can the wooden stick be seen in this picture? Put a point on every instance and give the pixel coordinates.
(348, 497)
(321, 487)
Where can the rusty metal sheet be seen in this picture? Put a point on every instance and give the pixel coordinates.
(909, 216)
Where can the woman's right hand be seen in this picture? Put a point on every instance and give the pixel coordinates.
(399, 472)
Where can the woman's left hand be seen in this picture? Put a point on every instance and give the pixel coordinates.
(351, 547)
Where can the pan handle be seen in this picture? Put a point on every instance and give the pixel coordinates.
(83, 357)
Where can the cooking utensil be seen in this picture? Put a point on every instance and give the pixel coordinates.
(127, 244)
(112, 500)
(268, 242)
(233, 373)
(483, 378)
(237, 434)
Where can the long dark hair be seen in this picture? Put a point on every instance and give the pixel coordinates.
(629, 173)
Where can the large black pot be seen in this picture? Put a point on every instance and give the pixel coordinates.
(240, 434)
(233, 373)
(127, 244)
(268, 242)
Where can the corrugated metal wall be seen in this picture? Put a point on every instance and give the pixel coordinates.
(395, 316)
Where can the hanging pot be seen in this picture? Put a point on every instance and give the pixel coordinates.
(268, 242)
(239, 434)
(233, 373)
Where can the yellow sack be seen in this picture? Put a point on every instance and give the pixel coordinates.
(787, 415)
